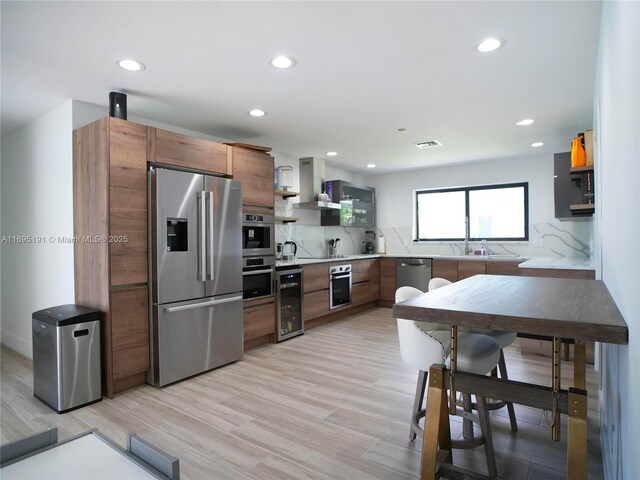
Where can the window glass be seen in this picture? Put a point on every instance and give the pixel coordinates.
(441, 215)
(495, 212)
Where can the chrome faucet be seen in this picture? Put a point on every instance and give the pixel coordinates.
(467, 248)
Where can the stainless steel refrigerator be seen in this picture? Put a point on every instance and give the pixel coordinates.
(196, 273)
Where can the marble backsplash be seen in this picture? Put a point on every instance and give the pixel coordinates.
(553, 239)
(550, 239)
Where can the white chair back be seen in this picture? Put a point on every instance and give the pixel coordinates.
(417, 348)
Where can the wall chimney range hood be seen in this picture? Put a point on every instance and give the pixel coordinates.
(312, 179)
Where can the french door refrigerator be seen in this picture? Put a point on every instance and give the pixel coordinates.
(196, 273)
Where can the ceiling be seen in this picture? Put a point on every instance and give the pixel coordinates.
(364, 70)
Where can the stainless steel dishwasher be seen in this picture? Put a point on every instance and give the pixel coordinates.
(413, 272)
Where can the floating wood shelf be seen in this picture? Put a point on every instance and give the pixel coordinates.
(285, 219)
(582, 208)
(585, 169)
(285, 193)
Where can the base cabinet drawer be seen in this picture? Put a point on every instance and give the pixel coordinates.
(315, 277)
(361, 293)
(259, 318)
(316, 304)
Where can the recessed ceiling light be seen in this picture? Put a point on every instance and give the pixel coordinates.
(537, 144)
(525, 122)
(256, 112)
(489, 45)
(131, 65)
(282, 62)
(332, 154)
(371, 165)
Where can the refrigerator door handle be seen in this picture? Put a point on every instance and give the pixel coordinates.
(211, 238)
(210, 303)
(202, 250)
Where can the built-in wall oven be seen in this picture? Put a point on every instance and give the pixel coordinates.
(339, 286)
(257, 234)
(257, 277)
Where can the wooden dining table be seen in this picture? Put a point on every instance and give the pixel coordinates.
(581, 310)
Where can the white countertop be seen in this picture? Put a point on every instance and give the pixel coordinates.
(565, 263)
(568, 263)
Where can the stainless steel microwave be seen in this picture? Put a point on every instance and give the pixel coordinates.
(257, 234)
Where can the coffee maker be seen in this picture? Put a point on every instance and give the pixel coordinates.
(369, 241)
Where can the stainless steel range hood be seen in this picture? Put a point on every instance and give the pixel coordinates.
(312, 178)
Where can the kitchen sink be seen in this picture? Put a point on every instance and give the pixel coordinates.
(326, 257)
(503, 255)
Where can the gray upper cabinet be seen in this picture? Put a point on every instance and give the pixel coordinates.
(570, 187)
(357, 205)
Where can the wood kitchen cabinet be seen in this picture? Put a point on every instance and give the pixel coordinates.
(259, 321)
(447, 269)
(387, 283)
(315, 277)
(316, 304)
(558, 273)
(503, 268)
(109, 207)
(365, 281)
(469, 268)
(255, 170)
(315, 281)
(180, 150)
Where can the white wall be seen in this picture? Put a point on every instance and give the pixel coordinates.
(37, 200)
(617, 103)
(395, 206)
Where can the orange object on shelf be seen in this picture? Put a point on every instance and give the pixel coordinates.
(578, 153)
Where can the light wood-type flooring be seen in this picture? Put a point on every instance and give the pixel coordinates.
(331, 404)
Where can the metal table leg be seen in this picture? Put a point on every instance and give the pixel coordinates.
(577, 424)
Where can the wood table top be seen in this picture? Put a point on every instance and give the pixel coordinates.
(558, 307)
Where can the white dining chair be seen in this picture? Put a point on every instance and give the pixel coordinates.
(504, 339)
(427, 343)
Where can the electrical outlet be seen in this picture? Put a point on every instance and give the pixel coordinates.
(537, 243)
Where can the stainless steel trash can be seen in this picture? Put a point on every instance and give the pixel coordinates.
(66, 356)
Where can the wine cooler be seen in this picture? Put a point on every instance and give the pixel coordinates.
(289, 303)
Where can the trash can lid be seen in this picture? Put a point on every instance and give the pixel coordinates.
(67, 315)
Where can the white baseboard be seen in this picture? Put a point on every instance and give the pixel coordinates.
(18, 344)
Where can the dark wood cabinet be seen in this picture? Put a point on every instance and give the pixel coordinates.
(447, 269)
(316, 304)
(109, 206)
(315, 277)
(180, 150)
(469, 268)
(503, 268)
(388, 281)
(130, 332)
(255, 170)
(259, 318)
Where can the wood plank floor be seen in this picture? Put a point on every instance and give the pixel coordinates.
(332, 404)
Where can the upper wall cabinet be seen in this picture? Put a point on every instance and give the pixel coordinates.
(357, 205)
(180, 150)
(573, 189)
(254, 168)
